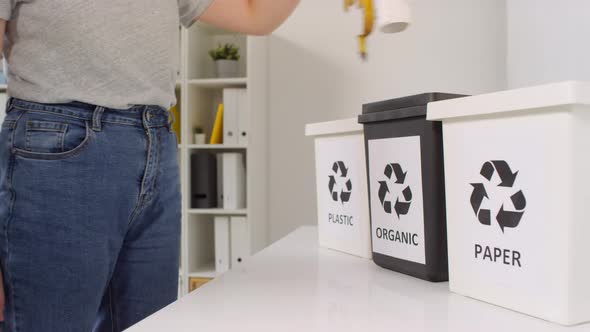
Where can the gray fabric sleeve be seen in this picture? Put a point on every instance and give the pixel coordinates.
(6, 9)
(189, 10)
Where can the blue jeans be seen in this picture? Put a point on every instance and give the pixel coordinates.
(90, 216)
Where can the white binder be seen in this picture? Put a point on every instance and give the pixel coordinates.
(240, 241)
(222, 245)
(243, 117)
(230, 116)
(234, 181)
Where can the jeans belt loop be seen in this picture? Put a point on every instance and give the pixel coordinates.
(96, 118)
(9, 104)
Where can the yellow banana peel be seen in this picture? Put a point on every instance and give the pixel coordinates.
(369, 22)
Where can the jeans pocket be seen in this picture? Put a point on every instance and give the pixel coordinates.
(51, 139)
(45, 136)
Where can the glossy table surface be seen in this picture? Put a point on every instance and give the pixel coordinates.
(296, 286)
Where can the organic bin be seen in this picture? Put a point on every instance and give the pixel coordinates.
(343, 208)
(517, 167)
(406, 186)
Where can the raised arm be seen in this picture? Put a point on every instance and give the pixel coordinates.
(254, 17)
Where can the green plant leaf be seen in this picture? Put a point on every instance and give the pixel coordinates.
(225, 52)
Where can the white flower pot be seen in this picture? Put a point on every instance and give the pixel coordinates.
(227, 68)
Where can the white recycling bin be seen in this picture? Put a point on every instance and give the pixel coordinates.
(517, 170)
(341, 181)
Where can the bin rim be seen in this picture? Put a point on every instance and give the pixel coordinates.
(402, 107)
(535, 97)
(401, 113)
(336, 127)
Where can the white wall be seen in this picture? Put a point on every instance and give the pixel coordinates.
(547, 41)
(316, 75)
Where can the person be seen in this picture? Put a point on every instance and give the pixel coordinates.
(90, 203)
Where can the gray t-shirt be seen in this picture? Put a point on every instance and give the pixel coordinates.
(113, 53)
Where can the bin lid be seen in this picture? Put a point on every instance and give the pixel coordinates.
(333, 127)
(537, 97)
(399, 108)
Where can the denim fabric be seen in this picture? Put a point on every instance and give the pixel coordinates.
(89, 216)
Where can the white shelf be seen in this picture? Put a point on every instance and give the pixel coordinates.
(199, 95)
(205, 271)
(3, 87)
(219, 82)
(219, 212)
(214, 147)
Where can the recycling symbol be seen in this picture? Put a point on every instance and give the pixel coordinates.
(345, 192)
(401, 207)
(506, 217)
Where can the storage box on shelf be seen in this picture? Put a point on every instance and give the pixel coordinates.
(200, 93)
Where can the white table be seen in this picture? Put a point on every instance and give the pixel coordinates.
(296, 286)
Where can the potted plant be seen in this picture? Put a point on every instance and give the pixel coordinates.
(226, 60)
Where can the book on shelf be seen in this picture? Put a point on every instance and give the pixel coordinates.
(243, 118)
(240, 248)
(235, 120)
(217, 133)
(222, 245)
(234, 180)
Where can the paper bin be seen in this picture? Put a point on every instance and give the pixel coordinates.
(517, 167)
(342, 204)
(406, 186)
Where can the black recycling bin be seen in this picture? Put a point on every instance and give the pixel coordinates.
(406, 186)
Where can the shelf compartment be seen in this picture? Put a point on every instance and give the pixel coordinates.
(201, 246)
(201, 39)
(202, 111)
(218, 212)
(219, 83)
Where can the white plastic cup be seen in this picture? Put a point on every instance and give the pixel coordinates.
(393, 16)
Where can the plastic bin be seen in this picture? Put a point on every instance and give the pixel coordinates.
(406, 186)
(343, 208)
(518, 189)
